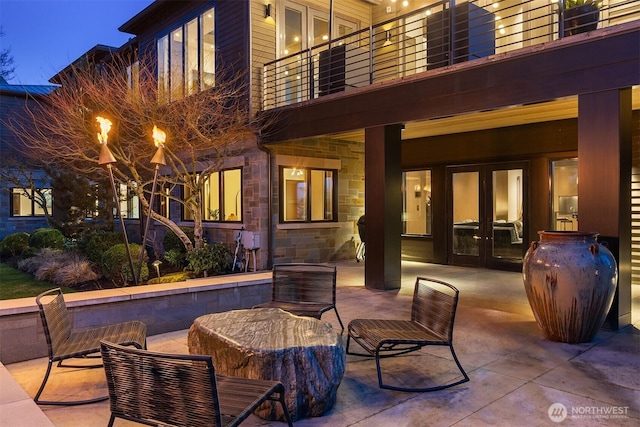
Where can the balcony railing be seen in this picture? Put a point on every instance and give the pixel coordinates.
(428, 38)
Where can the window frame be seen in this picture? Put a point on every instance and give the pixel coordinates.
(309, 199)
(33, 206)
(221, 199)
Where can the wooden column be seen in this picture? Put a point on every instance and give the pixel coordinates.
(383, 207)
(604, 184)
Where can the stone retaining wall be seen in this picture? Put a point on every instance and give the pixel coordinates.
(164, 308)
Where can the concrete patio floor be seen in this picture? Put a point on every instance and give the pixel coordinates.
(516, 374)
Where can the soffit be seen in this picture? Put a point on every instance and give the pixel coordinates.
(566, 108)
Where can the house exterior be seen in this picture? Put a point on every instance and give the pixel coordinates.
(18, 211)
(460, 128)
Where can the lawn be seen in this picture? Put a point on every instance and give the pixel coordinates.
(16, 284)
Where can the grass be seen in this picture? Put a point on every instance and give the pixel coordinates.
(16, 284)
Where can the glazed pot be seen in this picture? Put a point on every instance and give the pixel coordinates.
(570, 280)
(580, 19)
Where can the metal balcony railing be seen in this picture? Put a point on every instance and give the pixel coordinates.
(431, 37)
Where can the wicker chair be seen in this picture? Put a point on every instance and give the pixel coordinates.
(304, 289)
(180, 389)
(65, 343)
(432, 314)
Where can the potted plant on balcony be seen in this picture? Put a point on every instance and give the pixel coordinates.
(581, 16)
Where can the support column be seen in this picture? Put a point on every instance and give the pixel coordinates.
(383, 207)
(604, 190)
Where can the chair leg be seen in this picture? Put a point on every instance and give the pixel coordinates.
(421, 389)
(339, 320)
(37, 400)
(287, 415)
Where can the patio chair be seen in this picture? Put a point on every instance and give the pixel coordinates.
(65, 343)
(180, 389)
(304, 289)
(433, 311)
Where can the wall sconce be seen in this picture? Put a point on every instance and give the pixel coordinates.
(387, 41)
(418, 191)
(267, 11)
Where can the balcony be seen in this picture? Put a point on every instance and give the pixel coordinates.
(434, 36)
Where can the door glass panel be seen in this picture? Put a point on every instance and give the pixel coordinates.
(506, 226)
(466, 209)
(564, 189)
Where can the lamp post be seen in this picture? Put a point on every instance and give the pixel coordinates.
(107, 159)
(159, 138)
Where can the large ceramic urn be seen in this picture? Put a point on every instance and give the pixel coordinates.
(570, 280)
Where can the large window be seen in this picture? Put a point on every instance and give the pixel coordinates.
(186, 58)
(222, 197)
(417, 210)
(308, 194)
(24, 202)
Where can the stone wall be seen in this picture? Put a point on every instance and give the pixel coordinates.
(164, 308)
(327, 241)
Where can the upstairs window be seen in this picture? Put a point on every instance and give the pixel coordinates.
(186, 58)
(308, 195)
(129, 202)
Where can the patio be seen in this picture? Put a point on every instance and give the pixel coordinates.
(516, 374)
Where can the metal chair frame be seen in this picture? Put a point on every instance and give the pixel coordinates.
(181, 389)
(432, 317)
(64, 343)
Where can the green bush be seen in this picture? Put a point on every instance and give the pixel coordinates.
(47, 238)
(209, 259)
(14, 244)
(115, 264)
(176, 258)
(99, 243)
(171, 241)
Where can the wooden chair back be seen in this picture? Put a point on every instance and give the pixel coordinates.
(156, 388)
(304, 283)
(55, 320)
(434, 306)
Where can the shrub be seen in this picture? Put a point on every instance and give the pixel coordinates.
(171, 241)
(46, 238)
(75, 273)
(115, 264)
(209, 259)
(43, 256)
(14, 244)
(99, 243)
(176, 258)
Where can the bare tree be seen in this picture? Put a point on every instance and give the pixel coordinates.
(201, 130)
(7, 68)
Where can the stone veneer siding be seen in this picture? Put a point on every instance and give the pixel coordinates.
(322, 242)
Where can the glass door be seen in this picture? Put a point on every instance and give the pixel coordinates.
(487, 215)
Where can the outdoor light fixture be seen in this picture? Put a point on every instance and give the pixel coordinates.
(157, 263)
(267, 11)
(107, 158)
(387, 41)
(159, 138)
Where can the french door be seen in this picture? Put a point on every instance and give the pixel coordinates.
(486, 215)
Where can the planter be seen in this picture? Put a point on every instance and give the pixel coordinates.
(580, 19)
(570, 280)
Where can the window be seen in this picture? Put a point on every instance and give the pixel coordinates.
(129, 202)
(161, 202)
(222, 197)
(308, 194)
(186, 58)
(25, 203)
(417, 210)
(564, 194)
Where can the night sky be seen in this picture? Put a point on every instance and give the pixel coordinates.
(47, 35)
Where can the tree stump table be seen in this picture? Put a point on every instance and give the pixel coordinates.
(305, 354)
